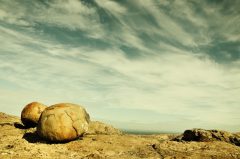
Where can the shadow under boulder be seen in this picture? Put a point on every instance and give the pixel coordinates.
(20, 126)
(209, 135)
(33, 137)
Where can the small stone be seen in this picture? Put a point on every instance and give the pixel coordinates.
(9, 146)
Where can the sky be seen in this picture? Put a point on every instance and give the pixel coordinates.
(149, 65)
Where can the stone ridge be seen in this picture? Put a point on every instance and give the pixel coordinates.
(209, 135)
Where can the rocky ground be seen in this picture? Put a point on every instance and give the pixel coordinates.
(103, 141)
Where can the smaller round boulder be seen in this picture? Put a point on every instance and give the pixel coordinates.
(31, 114)
(63, 122)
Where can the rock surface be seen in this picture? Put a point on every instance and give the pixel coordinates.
(63, 122)
(96, 127)
(209, 135)
(20, 143)
(31, 113)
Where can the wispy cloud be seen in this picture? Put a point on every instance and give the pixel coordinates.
(129, 57)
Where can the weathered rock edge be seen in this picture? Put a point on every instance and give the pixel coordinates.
(203, 135)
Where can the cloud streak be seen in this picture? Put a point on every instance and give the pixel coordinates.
(129, 57)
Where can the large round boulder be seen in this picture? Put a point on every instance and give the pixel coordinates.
(31, 113)
(63, 122)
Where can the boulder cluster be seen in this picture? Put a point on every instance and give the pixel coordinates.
(58, 123)
(203, 135)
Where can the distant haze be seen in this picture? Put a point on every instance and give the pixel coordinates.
(147, 65)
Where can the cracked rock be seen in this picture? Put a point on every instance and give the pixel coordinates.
(63, 122)
(31, 114)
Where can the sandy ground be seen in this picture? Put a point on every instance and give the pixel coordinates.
(18, 143)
